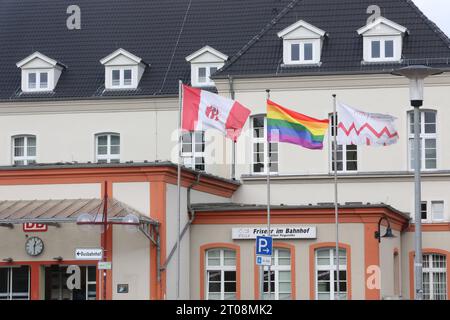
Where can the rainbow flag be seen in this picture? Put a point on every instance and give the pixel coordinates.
(284, 125)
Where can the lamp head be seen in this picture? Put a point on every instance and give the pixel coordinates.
(416, 76)
(131, 222)
(389, 233)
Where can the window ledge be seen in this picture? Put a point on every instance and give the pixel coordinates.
(301, 65)
(381, 62)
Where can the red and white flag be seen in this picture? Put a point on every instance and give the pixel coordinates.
(356, 127)
(204, 110)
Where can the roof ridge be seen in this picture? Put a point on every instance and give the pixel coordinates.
(434, 27)
(258, 36)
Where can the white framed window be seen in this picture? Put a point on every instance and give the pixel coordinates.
(15, 283)
(302, 51)
(437, 210)
(347, 155)
(260, 147)
(107, 148)
(424, 211)
(24, 150)
(433, 211)
(428, 139)
(122, 78)
(435, 277)
(204, 63)
(382, 49)
(203, 73)
(382, 41)
(280, 276)
(221, 274)
(193, 150)
(37, 80)
(39, 73)
(302, 43)
(326, 274)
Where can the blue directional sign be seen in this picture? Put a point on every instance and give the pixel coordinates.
(264, 246)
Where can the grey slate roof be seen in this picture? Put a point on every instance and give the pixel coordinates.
(146, 28)
(150, 30)
(343, 49)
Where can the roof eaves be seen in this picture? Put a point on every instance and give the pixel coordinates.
(381, 20)
(121, 52)
(230, 207)
(37, 55)
(300, 24)
(209, 49)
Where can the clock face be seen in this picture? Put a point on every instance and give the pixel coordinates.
(34, 246)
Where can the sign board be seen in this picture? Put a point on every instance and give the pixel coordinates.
(88, 254)
(34, 227)
(297, 232)
(263, 260)
(264, 246)
(122, 288)
(104, 265)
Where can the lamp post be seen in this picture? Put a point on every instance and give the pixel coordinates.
(416, 76)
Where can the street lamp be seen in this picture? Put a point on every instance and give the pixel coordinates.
(388, 234)
(416, 76)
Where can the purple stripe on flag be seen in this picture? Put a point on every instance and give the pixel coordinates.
(295, 140)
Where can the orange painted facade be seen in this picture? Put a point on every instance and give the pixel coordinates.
(157, 176)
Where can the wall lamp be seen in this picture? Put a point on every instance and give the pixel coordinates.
(59, 258)
(8, 260)
(388, 234)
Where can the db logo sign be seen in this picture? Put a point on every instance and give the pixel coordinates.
(34, 227)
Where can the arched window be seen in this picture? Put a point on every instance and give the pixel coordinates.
(221, 274)
(434, 277)
(107, 148)
(280, 276)
(24, 150)
(428, 139)
(326, 274)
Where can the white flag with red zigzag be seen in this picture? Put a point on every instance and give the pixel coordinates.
(356, 127)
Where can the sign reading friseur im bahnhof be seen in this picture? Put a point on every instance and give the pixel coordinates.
(288, 232)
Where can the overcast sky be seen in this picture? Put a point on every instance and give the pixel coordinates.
(437, 11)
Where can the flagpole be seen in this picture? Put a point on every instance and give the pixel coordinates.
(180, 119)
(268, 201)
(233, 150)
(336, 208)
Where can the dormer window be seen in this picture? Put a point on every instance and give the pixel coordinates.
(302, 44)
(39, 73)
(122, 78)
(204, 63)
(123, 70)
(382, 41)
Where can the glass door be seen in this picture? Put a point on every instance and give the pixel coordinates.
(56, 287)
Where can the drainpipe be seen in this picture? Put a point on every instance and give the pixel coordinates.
(186, 227)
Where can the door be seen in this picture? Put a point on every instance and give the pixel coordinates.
(56, 287)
